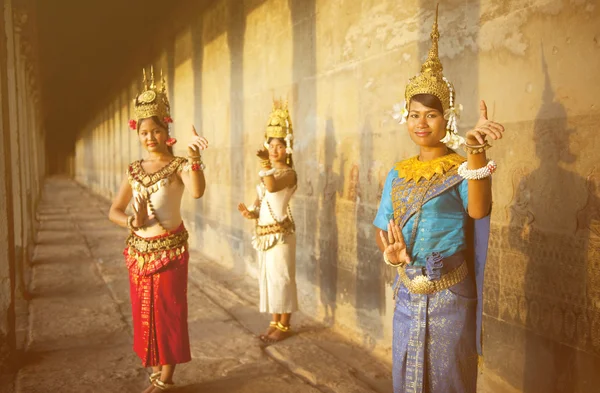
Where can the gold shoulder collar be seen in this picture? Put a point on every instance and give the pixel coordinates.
(413, 169)
(137, 173)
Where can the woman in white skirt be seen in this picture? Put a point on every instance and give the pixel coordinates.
(275, 239)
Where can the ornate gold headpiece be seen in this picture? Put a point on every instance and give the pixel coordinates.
(152, 101)
(280, 125)
(432, 81)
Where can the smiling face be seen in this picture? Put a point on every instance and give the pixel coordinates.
(277, 150)
(153, 135)
(426, 124)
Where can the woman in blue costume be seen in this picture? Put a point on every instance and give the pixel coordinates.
(423, 229)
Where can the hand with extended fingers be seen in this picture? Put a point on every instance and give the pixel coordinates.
(395, 252)
(140, 212)
(263, 154)
(197, 144)
(484, 128)
(245, 212)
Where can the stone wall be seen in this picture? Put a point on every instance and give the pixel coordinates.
(22, 164)
(343, 65)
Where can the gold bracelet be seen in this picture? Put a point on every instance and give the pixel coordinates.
(390, 263)
(130, 224)
(476, 149)
(265, 164)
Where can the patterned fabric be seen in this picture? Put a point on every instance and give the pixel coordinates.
(145, 256)
(276, 252)
(441, 203)
(433, 345)
(140, 180)
(436, 336)
(159, 308)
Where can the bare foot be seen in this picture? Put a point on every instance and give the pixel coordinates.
(149, 389)
(158, 389)
(153, 376)
(276, 336)
(270, 330)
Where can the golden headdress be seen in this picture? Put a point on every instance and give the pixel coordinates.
(280, 125)
(431, 80)
(152, 101)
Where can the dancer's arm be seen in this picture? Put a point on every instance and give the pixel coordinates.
(194, 179)
(480, 191)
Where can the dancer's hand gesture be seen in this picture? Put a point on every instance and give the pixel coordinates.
(263, 154)
(140, 212)
(197, 144)
(484, 128)
(394, 245)
(245, 212)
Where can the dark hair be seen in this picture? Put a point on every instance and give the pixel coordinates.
(160, 123)
(290, 159)
(429, 100)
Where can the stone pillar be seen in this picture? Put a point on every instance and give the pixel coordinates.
(7, 241)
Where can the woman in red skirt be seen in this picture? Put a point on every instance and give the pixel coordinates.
(157, 249)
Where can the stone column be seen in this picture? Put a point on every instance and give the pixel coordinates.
(7, 241)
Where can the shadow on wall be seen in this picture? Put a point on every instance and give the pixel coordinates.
(235, 35)
(331, 185)
(556, 306)
(370, 280)
(303, 14)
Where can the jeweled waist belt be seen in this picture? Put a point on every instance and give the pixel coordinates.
(165, 243)
(422, 285)
(286, 227)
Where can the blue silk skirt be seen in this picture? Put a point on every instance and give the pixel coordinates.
(434, 339)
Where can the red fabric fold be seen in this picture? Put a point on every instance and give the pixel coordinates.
(159, 309)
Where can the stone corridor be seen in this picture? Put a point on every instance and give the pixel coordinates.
(78, 335)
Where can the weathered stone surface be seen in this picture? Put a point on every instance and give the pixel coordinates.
(80, 329)
(317, 366)
(343, 65)
(85, 368)
(57, 236)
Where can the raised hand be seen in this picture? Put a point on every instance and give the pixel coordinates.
(484, 128)
(245, 212)
(197, 144)
(263, 154)
(395, 247)
(140, 212)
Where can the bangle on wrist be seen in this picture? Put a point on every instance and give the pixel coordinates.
(130, 224)
(477, 174)
(390, 263)
(265, 163)
(476, 149)
(194, 164)
(269, 172)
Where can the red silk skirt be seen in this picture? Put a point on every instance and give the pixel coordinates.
(160, 312)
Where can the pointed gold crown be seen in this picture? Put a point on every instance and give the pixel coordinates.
(280, 123)
(152, 101)
(431, 80)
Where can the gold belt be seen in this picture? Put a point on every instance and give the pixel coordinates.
(424, 286)
(162, 244)
(286, 226)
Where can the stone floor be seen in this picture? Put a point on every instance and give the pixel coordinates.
(77, 333)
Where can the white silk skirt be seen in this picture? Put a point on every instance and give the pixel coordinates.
(277, 277)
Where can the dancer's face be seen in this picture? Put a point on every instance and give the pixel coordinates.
(426, 126)
(153, 136)
(277, 150)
